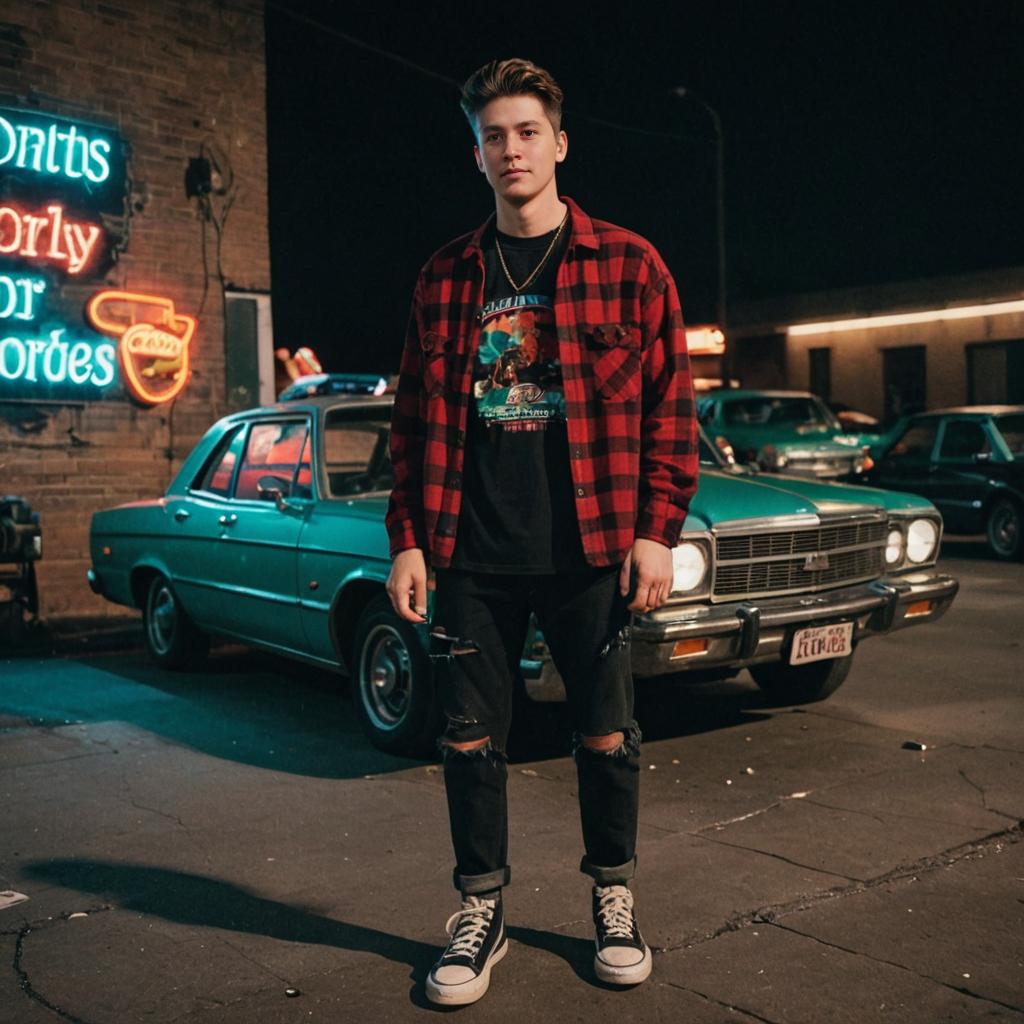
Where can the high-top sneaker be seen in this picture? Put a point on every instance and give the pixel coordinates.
(477, 943)
(622, 958)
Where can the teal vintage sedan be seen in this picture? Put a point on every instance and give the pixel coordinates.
(792, 432)
(273, 534)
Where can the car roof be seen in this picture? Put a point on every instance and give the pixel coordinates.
(757, 393)
(315, 404)
(977, 411)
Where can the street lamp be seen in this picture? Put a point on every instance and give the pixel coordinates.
(682, 93)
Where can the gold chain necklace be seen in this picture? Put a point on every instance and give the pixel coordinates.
(518, 288)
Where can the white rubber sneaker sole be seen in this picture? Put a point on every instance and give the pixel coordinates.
(632, 974)
(468, 991)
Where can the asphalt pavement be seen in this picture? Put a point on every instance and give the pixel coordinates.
(225, 846)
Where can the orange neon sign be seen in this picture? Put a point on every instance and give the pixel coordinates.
(52, 237)
(153, 345)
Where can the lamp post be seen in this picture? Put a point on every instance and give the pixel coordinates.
(682, 93)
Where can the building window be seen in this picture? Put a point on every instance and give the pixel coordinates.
(904, 379)
(820, 371)
(995, 373)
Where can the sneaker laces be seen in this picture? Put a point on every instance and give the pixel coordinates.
(468, 927)
(615, 910)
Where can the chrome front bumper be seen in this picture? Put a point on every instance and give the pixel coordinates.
(734, 635)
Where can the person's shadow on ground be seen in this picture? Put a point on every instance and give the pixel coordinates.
(209, 902)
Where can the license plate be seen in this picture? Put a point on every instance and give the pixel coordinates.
(815, 643)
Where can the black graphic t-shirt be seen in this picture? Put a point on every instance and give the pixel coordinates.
(518, 511)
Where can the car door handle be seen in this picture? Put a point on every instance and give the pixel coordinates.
(182, 514)
(228, 520)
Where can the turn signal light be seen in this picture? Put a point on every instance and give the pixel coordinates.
(687, 648)
(918, 608)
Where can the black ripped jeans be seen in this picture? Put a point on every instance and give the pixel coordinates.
(585, 620)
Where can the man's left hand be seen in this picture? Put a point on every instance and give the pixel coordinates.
(652, 564)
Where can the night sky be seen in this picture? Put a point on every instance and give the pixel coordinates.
(863, 145)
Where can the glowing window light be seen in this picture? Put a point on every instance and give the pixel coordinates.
(154, 356)
(899, 319)
(53, 238)
(705, 340)
(55, 149)
(18, 295)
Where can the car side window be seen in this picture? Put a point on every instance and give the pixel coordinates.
(356, 457)
(273, 456)
(220, 467)
(916, 444)
(963, 439)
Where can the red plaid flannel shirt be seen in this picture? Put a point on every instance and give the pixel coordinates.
(628, 394)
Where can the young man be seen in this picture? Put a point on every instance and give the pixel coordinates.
(544, 449)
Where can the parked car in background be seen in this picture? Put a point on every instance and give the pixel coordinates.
(791, 432)
(272, 533)
(969, 462)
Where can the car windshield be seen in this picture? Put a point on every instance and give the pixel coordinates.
(356, 458)
(1012, 429)
(798, 411)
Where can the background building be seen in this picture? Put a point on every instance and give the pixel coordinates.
(134, 254)
(891, 349)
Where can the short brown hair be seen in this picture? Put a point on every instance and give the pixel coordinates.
(512, 77)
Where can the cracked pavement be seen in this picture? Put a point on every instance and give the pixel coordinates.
(193, 846)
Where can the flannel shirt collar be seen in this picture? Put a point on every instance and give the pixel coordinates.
(581, 231)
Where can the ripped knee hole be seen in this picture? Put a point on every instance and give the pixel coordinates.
(445, 647)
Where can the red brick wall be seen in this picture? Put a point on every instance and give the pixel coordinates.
(167, 76)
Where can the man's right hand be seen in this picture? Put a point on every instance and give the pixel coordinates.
(407, 585)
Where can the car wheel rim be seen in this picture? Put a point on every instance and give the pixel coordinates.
(163, 619)
(1005, 529)
(385, 677)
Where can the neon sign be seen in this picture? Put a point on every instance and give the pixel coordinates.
(705, 340)
(18, 294)
(153, 347)
(46, 149)
(53, 360)
(55, 238)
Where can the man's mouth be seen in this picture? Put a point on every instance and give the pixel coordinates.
(513, 170)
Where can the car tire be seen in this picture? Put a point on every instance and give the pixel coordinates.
(393, 683)
(801, 684)
(1003, 530)
(172, 638)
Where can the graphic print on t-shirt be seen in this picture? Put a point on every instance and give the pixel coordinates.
(517, 380)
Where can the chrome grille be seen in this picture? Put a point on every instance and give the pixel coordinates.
(759, 564)
(818, 466)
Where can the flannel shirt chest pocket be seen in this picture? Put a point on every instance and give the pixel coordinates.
(614, 354)
(437, 357)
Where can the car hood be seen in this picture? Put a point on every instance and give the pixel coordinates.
(724, 496)
(784, 438)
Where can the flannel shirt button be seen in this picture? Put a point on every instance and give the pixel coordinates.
(460, 439)
(577, 453)
(580, 491)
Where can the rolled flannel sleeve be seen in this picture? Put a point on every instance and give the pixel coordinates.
(404, 519)
(668, 429)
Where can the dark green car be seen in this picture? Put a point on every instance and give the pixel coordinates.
(273, 534)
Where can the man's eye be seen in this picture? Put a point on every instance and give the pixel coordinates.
(493, 137)
(529, 131)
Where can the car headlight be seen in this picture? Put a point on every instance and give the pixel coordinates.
(772, 458)
(922, 536)
(689, 567)
(894, 547)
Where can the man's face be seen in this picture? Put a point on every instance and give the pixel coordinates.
(517, 148)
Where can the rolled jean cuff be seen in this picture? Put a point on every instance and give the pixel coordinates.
(609, 876)
(473, 885)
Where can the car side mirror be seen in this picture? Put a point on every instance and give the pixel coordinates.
(982, 458)
(271, 488)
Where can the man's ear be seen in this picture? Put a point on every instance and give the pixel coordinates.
(479, 159)
(561, 147)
